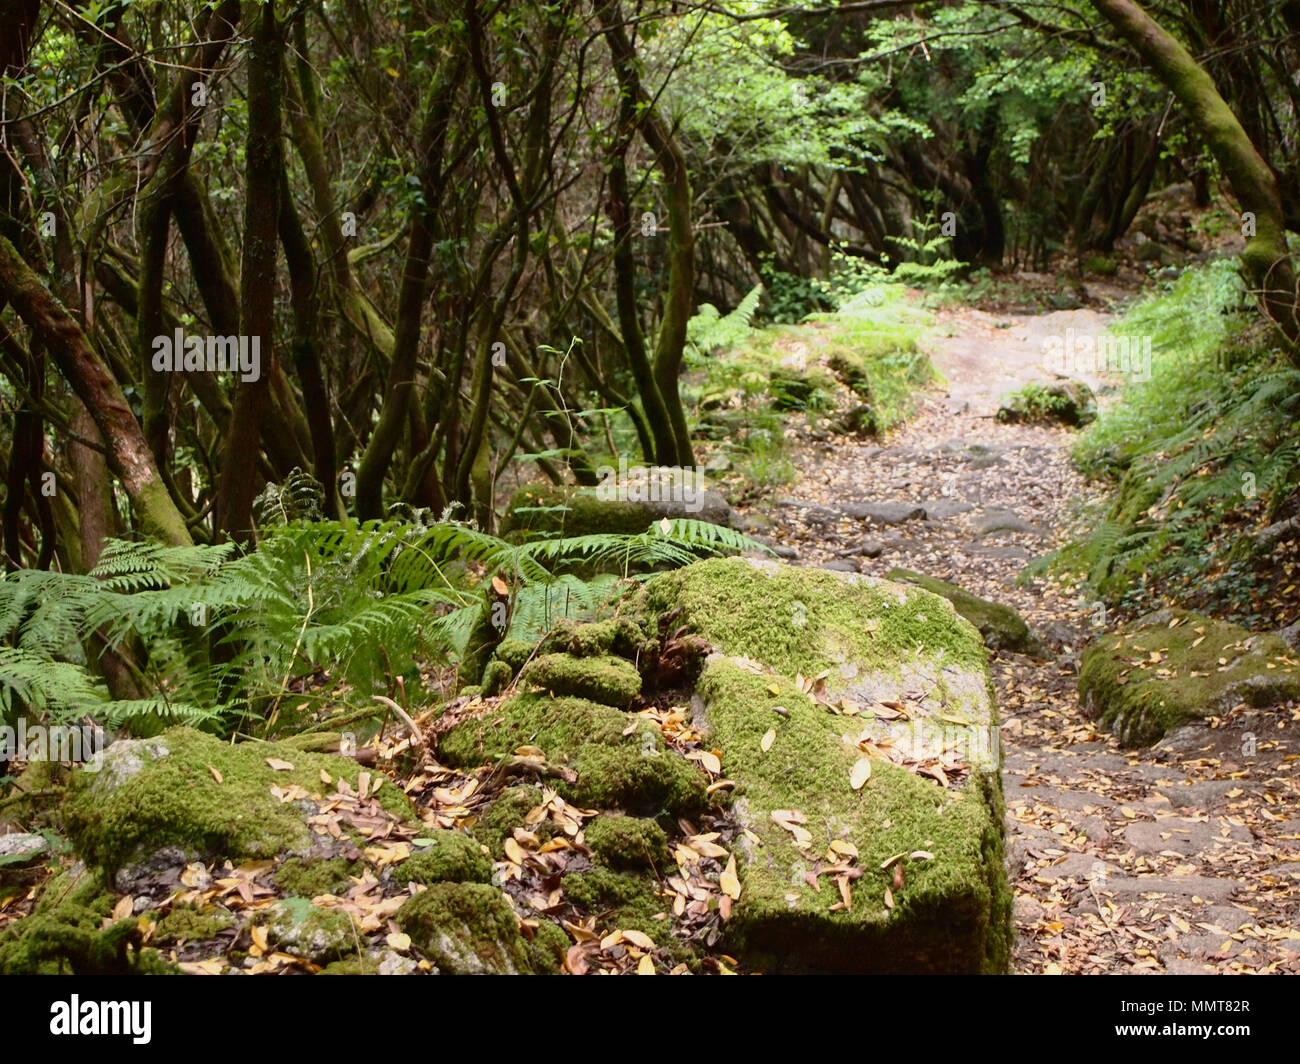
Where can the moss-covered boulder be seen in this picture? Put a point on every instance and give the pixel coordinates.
(627, 842)
(191, 794)
(467, 929)
(626, 501)
(320, 935)
(446, 857)
(1001, 626)
(921, 855)
(602, 759)
(605, 679)
(1174, 666)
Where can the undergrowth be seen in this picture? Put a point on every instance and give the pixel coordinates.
(227, 640)
(1194, 460)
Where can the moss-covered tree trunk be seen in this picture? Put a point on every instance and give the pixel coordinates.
(1266, 263)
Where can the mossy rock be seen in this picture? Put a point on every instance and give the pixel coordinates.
(852, 373)
(66, 932)
(162, 793)
(856, 420)
(309, 877)
(1101, 265)
(467, 929)
(1070, 402)
(621, 636)
(605, 679)
(631, 771)
(514, 652)
(952, 914)
(187, 923)
(629, 900)
(803, 620)
(791, 389)
(1147, 677)
(664, 491)
(371, 962)
(319, 934)
(504, 815)
(627, 842)
(450, 857)
(1001, 626)
(872, 641)
(548, 947)
(496, 678)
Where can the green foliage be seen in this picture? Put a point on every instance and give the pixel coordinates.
(708, 330)
(1198, 455)
(357, 602)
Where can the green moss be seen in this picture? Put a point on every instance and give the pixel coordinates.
(496, 677)
(809, 620)
(632, 771)
(186, 923)
(163, 792)
(514, 652)
(638, 781)
(548, 947)
(466, 929)
(621, 899)
(852, 373)
(573, 511)
(620, 635)
(605, 679)
(559, 726)
(450, 857)
(1148, 677)
(1102, 265)
(953, 913)
(1001, 626)
(505, 814)
(65, 932)
(625, 842)
(308, 878)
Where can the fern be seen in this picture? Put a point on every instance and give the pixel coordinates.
(708, 330)
(359, 603)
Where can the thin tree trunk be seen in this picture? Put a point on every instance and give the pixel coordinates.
(1265, 261)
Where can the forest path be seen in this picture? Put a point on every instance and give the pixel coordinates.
(1180, 858)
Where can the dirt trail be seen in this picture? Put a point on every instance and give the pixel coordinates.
(1180, 858)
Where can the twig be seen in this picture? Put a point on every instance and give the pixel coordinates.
(406, 719)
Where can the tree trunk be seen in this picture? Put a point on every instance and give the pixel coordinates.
(128, 453)
(264, 164)
(1265, 261)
